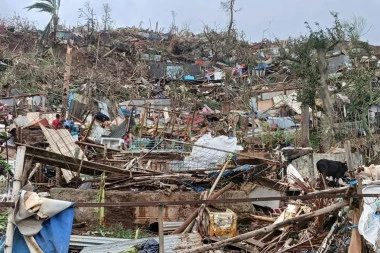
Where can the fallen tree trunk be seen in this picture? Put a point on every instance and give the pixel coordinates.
(267, 229)
(195, 213)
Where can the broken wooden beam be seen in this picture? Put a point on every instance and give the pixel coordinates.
(82, 143)
(47, 157)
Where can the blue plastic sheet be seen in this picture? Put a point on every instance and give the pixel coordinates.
(53, 237)
(230, 172)
(195, 188)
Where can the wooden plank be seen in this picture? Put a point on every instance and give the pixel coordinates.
(243, 246)
(255, 242)
(71, 163)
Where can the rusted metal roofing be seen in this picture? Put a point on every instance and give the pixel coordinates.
(172, 243)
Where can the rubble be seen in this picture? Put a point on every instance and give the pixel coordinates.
(208, 152)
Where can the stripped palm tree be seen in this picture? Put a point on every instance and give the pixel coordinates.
(51, 7)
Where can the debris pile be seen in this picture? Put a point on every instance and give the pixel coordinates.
(207, 153)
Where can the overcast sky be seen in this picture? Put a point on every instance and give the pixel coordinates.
(258, 19)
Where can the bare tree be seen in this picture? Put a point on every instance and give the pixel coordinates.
(173, 26)
(106, 18)
(229, 7)
(88, 14)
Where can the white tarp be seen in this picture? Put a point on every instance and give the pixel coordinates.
(293, 172)
(201, 158)
(369, 222)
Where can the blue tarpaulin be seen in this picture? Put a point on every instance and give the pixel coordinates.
(53, 237)
(282, 122)
(195, 188)
(230, 172)
(262, 66)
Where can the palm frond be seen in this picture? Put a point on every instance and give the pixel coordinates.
(42, 7)
(54, 3)
(46, 30)
(51, 2)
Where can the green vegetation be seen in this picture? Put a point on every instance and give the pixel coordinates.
(119, 231)
(272, 139)
(3, 220)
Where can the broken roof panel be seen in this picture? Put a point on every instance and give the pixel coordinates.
(173, 243)
(77, 109)
(264, 105)
(282, 122)
(61, 142)
(119, 131)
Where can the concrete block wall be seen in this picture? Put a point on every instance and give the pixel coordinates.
(303, 163)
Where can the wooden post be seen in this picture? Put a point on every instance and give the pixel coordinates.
(66, 81)
(311, 167)
(161, 228)
(102, 216)
(347, 148)
(156, 126)
(58, 176)
(19, 167)
(89, 128)
(80, 165)
(105, 154)
(358, 212)
(173, 121)
(193, 118)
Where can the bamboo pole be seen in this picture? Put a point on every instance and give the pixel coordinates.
(267, 229)
(161, 228)
(101, 199)
(66, 81)
(218, 178)
(19, 167)
(195, 213)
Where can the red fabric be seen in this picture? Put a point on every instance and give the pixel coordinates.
(43, 122)
(55, 123)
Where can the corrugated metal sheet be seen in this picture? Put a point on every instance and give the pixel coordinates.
(156, 69)
(119, 131)
(77, 109)
(8, 101)
(172, 243)
(160, 103)
(80, 242)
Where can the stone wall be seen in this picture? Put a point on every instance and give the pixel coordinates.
(139, 215)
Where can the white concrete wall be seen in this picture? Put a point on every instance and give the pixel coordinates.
(302, 163)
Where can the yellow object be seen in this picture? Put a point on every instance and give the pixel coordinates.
(223, 224)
